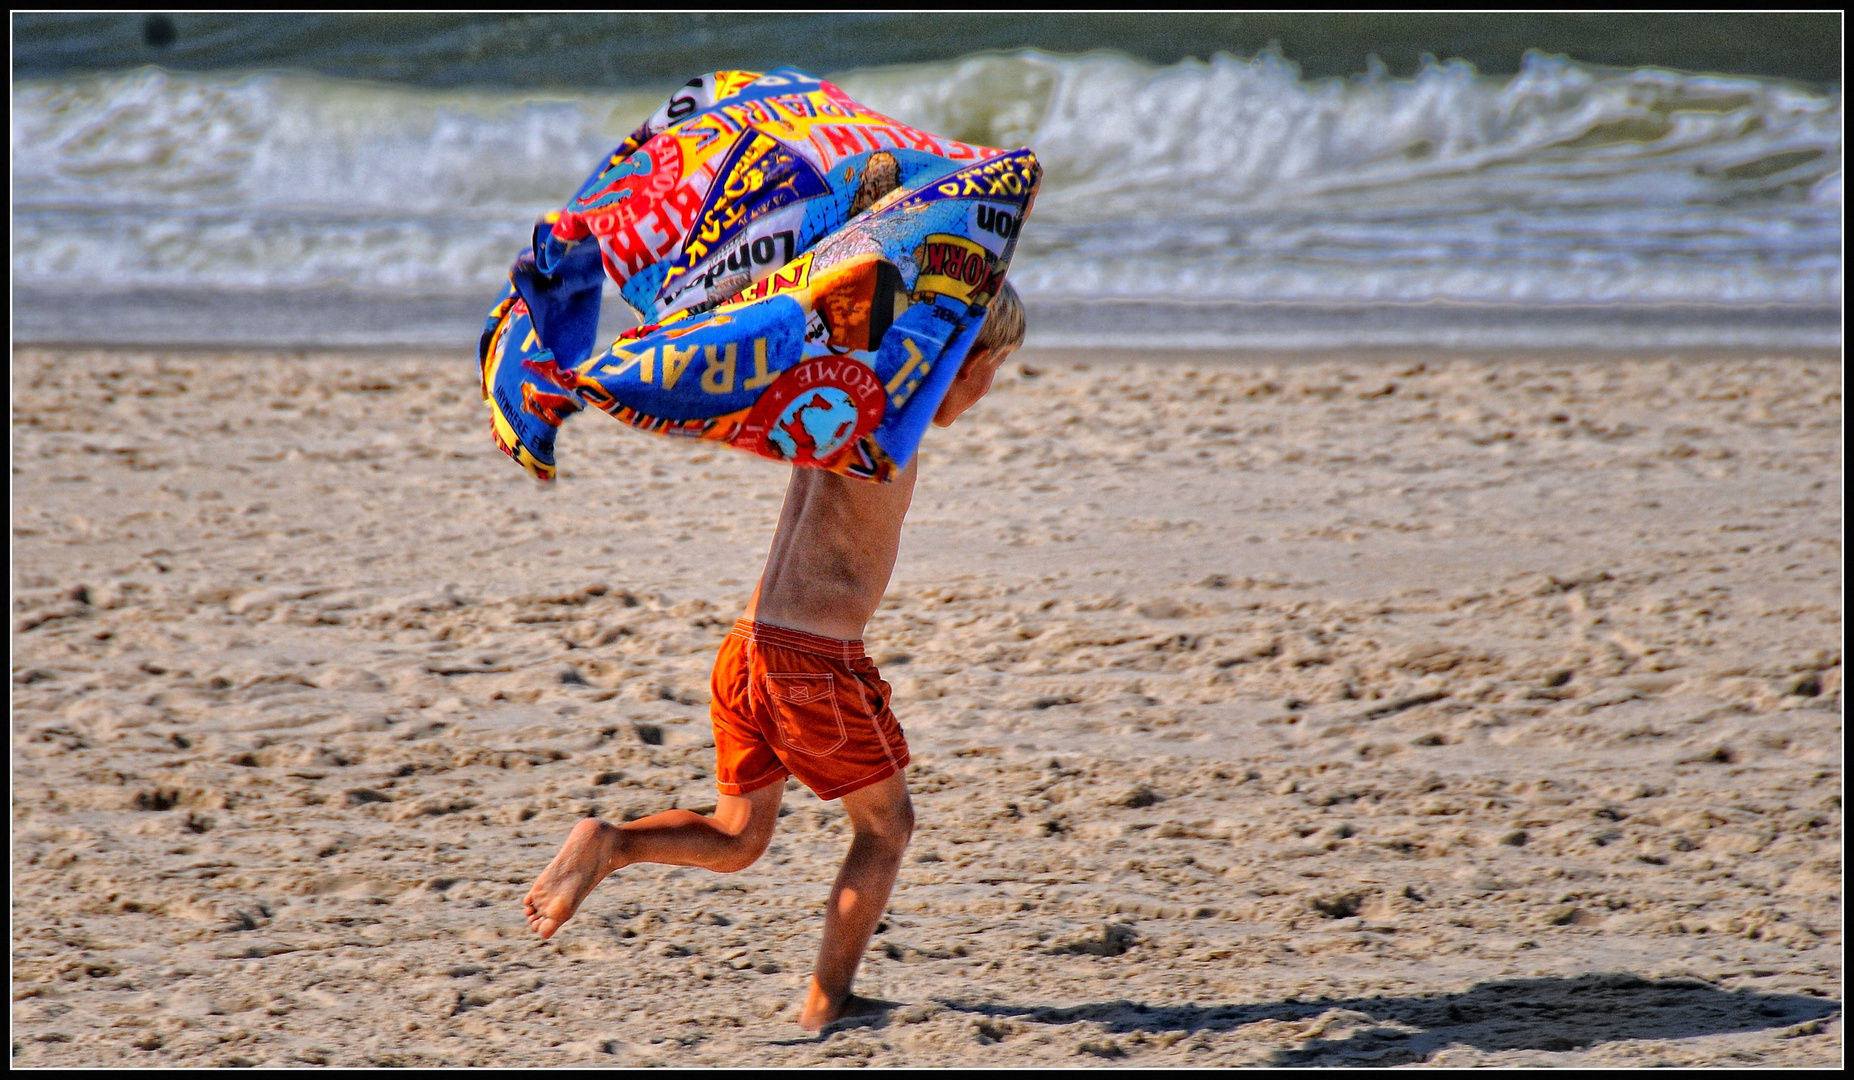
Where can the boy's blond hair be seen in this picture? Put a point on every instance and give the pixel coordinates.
(1004, 325)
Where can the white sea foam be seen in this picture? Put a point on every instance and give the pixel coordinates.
(152, 179)
(1231, 180)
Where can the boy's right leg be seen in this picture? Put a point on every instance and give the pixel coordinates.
(733, 838)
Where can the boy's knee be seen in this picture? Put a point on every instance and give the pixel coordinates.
(744, 852)
(735, 862)
(748, 845)
(882, 812)
(893, 823)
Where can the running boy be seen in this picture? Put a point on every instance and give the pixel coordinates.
(795, 694)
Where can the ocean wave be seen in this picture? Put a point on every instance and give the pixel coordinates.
(1229, 179)
(1120, 137)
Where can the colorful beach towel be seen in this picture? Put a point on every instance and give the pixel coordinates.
(810, 275)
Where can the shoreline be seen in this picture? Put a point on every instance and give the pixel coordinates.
(327, 319)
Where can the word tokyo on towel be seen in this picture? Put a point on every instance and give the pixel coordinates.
(810, 275)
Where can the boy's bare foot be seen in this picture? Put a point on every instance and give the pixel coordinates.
(819, 1010)
(590, 853)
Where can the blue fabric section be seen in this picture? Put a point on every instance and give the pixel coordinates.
(562, 283)
(901, 430)
(535, 433)
(927, 329)
(497, 312)
(706, 366)
(641, 291)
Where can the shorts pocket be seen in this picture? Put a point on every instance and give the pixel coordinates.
(805, 707)
(880, 694)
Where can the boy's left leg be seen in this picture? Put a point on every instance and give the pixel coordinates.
(882, 817)
(750, 783)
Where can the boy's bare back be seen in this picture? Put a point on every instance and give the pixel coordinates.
(833, 552)
(835, 548)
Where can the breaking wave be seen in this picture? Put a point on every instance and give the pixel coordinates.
(1230, 180)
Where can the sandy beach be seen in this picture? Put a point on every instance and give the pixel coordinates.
(1338, 711)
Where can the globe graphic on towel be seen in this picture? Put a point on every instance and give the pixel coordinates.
(815, 425)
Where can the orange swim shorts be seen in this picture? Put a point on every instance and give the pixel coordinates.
(788, 702)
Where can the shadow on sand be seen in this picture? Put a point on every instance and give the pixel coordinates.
(1514, 1014)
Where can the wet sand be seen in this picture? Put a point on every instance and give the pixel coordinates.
(1475, 710)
